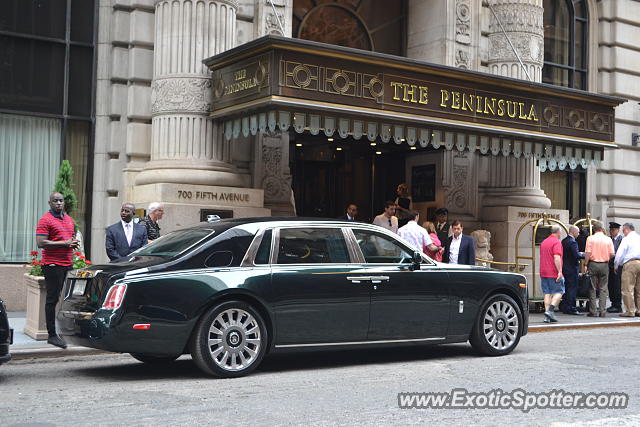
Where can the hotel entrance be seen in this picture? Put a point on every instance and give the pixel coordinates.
(330, 173)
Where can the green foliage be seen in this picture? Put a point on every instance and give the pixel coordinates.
(63, 185)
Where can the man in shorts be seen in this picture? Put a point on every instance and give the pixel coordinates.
(551, 272)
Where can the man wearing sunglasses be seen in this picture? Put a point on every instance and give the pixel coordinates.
(387, 219)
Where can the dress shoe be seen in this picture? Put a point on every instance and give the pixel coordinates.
(574, 313)
(592, 314)
(603, 314)
(627, 314)
(57, 341)
(613, 309)
(637, 314)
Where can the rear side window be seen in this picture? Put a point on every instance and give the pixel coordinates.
(312, 246)
(228, 252)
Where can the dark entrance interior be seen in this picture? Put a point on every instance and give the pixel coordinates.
(330, 173)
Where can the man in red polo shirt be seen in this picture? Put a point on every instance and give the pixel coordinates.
(551, 272)
(54, 235)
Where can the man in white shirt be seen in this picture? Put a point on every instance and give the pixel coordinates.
(387, 219)
(628, 257)
(417, 236)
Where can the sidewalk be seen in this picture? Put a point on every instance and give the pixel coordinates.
(25, 347)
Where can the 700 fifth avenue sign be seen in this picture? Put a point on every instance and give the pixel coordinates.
(294, 74)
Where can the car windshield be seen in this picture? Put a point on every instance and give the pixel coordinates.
(173, 243)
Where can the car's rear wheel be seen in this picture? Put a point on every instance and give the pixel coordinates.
(230, 340)
(498, 327)
(154, 360)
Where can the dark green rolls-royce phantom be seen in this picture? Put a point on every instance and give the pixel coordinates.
(230, 291)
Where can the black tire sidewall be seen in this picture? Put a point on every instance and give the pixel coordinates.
(200, 351)
(478, 340)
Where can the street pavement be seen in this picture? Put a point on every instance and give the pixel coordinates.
(355, 387)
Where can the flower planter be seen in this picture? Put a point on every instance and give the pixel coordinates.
(36, 325)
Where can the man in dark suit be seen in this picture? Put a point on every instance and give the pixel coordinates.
(352, 212)
(615, 291)
(460, 248)
(442, 224)
(125, 236)
(571, 257)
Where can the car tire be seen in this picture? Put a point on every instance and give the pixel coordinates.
(498, 327)
(154, 360)
(229, 340)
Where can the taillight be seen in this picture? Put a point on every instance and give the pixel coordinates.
(114, 297)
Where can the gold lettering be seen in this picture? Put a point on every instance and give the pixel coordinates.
(491, 106)
(521, 115)
(479, 103)
(455, 100)
(511, 113)
(501, 107)
(396, 86)
(424, 95)
(532, 113)
(444, 97)
(467, 102)
(409, 94)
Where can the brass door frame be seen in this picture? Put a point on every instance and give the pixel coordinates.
(544, 220)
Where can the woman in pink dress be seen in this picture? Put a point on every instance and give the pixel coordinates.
(431, 229)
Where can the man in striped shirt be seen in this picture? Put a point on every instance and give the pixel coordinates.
(54, 235)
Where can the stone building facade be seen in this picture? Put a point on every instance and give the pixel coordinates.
(153, 94)
(152, 137)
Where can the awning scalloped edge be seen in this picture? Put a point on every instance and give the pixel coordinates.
(550, 156)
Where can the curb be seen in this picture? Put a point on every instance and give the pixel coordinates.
(50, 351)
(569, 326)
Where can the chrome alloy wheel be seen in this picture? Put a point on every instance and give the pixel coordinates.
(234, 339)
(500, 325)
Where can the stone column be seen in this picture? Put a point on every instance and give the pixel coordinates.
(510, 186)
(515, 181)
(186, 146)
(522, 22)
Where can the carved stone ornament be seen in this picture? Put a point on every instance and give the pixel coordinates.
(276, 185)
(181, 95)
(463, 22)
(482, 239)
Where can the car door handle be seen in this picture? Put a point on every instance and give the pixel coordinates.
(358, 279)
(379, 279)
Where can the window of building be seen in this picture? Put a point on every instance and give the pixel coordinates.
(47, 57)
(353, 23)
(565, 43)
(566, 190)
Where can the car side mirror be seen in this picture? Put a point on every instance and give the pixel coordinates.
(416, 260)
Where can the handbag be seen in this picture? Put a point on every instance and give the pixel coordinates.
(584, 285)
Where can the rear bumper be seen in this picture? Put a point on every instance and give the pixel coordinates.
(110, 331)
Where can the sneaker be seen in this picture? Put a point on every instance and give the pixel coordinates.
(546, 320)
(57, 341)
(551, 316)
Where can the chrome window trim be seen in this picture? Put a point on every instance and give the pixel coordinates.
(250, 256)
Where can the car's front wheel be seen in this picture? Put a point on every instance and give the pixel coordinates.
(497, 329)
(230, 340)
